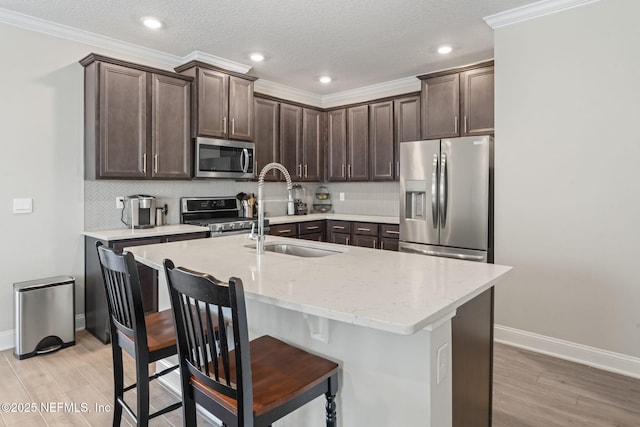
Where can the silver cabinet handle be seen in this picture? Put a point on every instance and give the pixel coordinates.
(374, 244)
(299, 170)
(455, 124)
(288, 230)
(347, 241)
(155, 163)
(338, 227)
(363, 229)
(381, 244)
(343, 170)
(233, 126)
(224, 124)
(144, 163)
(305, 170)
(391, 168)
(392, 232)
(313, 227)
(350, 171)
(465, 124)
(397, 168)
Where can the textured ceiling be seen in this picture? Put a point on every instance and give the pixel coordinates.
(357, 42)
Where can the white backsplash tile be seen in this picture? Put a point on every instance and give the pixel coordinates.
(100, 213)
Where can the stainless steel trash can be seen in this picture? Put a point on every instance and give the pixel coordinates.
(44, 315)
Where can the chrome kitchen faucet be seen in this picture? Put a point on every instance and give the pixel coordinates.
(263, 172)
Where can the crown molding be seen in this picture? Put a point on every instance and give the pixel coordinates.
(531, 11)
(279, 90)
(93, 39)
(218, 61)
(366, 93)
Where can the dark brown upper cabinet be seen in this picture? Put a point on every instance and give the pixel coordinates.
(458, 102)
(291, 139)
(222, 101)
(312, 159)
(137, 121)
(267, 135)
(407, 125)
(337, 145)
(381, 141)
(477, 101)
(358, 143)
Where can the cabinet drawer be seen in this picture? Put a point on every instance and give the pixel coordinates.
(340, 227)
(365, 229)
(389, 231)
(283, 230)
(311, 227)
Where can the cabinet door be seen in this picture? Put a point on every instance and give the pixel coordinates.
(381, 144)
(213, 91)
(358, 143)
(407, 124)
(476, 98)
(240, 109)
(291, 139)
(267, 134)
(122, 122)
(365, 241)
(440, 107)
(312, 149)
(340, 238)
(337, 145)
(170, 128)
(389, 244)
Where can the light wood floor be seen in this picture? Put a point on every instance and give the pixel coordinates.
(529, 390)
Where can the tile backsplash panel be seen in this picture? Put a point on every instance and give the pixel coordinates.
(100, 213)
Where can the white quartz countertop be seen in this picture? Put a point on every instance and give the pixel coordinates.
(274, 220)
(391, 291)
(129, 233)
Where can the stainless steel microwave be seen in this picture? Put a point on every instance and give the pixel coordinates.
(219, 158)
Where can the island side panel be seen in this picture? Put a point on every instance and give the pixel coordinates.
(386, 379)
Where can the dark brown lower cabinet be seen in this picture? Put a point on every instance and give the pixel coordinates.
(311, 230)
(95, 300)
(472, 362)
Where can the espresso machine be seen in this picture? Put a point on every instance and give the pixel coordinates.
(141, 211)
(299, 205)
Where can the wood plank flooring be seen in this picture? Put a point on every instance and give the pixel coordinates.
(529, 390)
(73, 387)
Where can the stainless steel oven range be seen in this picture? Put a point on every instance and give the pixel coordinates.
(221, 214)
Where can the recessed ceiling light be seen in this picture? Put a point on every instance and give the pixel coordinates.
(150, 22)
(325, 79)
(444, 50)
(256, 57)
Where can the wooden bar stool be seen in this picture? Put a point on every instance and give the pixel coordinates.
(146, 338)
(246, 383)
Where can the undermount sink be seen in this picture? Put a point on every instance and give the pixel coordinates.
(297, 250)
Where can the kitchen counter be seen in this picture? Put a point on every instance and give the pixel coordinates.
(130, 233)
(392, 291)
(385, 317)
(284, 219)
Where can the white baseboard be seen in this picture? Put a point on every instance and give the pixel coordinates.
(590, 356)
(7, 338)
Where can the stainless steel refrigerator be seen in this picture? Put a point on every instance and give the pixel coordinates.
(446, 197)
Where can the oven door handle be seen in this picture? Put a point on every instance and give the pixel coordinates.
(244, 160)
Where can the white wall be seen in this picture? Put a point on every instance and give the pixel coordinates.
(568, 175)
(41, 132)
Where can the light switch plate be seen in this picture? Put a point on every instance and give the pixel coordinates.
(22, 206)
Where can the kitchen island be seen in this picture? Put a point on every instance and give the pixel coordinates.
(385, 317)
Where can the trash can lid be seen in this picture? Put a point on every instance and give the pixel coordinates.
(42, 283)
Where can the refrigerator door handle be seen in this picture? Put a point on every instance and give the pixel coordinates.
(434, 192)
(444, 188)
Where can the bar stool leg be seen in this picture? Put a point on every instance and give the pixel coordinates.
(118, 385)
(330, 407)
(142, 389)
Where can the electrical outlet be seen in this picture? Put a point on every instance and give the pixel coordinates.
(119, 202)
(442, 362)
(342, 197)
